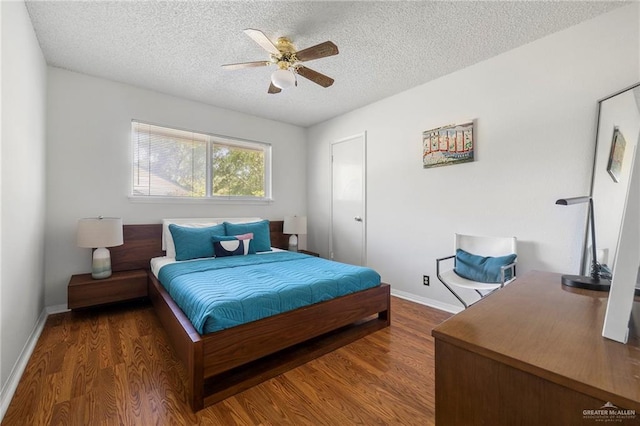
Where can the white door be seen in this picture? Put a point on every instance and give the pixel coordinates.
(348, 222)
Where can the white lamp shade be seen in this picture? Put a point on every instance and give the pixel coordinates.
(283, 79)
(295, 225)
(98, 232)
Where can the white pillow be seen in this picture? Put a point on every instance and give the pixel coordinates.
(167, 239)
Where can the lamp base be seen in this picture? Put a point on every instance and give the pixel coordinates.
(101, 266)
(581, 281)
(293, 242)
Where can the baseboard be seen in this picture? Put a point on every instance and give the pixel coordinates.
(426, 301)
(56, 309)
(6, 394)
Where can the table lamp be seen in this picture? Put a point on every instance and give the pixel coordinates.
(100, 233)
(594, 281)
(294, 225)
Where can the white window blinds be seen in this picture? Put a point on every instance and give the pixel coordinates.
(183, 164)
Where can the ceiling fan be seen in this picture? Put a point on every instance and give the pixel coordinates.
(289, 61)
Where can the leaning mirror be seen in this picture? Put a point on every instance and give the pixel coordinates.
(616, 141)
(615, 191)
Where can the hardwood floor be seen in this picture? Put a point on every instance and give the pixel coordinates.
(114, 366)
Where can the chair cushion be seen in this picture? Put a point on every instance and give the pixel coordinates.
(482, 269)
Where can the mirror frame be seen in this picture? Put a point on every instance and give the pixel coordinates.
(616, 190)
(598, 161)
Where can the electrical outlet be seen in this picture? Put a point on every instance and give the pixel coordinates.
(425, 279)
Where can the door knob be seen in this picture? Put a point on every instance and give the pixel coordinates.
(357, 219)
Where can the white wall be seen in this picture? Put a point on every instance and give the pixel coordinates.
(22, 184)
(89, 163)
(535, 108)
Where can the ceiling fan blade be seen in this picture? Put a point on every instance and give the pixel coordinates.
(315, 76)
(273, 89)
(246, 65)
(259, 37)
(321, 50)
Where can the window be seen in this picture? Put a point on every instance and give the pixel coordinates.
(182, 164)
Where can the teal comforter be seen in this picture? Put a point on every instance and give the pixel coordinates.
(220, 293)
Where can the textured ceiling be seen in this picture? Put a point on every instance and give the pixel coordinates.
(385, 47)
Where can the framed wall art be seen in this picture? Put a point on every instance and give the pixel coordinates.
(452, 144)
(616, 155)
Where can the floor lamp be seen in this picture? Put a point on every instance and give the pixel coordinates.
(594, 281)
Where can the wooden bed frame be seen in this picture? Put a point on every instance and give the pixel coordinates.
(226, 362)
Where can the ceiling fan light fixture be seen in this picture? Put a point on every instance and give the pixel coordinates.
(283, 79)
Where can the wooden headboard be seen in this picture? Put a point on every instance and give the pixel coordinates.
(142, 242)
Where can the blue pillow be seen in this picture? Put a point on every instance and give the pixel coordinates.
(194, 243)
(261, 235)
(483, 269)
(231, 246)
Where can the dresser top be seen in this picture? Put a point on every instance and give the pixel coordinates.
(539, 326)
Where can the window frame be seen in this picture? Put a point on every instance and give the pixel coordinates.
(212, 139)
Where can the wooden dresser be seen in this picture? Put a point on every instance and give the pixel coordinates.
(533, 354)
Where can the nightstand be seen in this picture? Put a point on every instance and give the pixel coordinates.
(83, 291)
(310, 253)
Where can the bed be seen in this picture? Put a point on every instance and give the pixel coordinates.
(222, 363)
